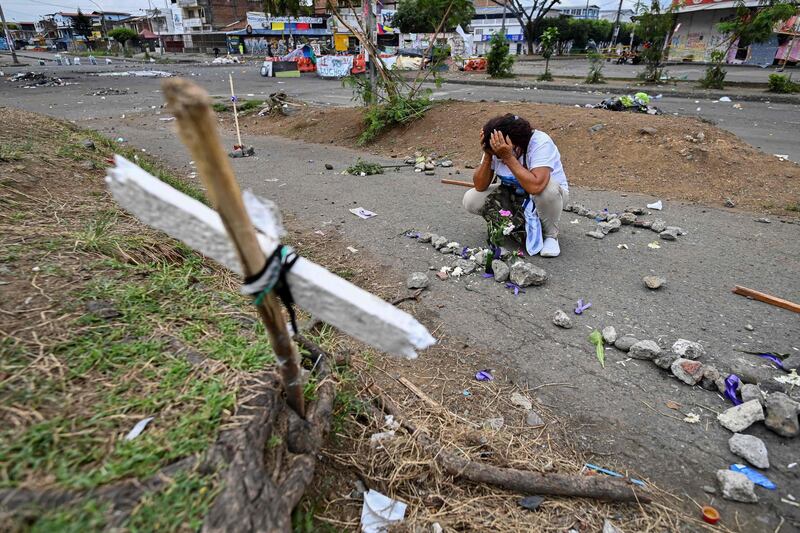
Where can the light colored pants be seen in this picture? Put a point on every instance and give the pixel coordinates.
(549, 204)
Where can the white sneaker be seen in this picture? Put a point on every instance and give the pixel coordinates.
(550, 248)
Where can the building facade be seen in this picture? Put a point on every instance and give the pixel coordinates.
(591, 11)
(212, 15)
(695, 35)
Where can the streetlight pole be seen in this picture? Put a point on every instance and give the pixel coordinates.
(616, 25)
(7, 34)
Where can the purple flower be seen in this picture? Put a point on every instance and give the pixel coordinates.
(488, 275)
(484, 375)
(517, 289)
(505, 213)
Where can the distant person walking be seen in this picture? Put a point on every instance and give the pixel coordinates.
(241, 48)
(216, 52)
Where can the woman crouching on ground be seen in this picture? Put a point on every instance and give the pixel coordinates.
(532, 184)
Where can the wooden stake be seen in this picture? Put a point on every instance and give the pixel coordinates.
(766, 298)
(235, 114)
(197, 127)
(456, 182)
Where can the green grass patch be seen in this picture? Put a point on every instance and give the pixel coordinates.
(15, 151)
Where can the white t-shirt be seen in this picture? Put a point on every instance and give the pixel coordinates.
(542, 152)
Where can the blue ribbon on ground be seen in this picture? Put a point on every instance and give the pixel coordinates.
(753, 475)
(732, 384)
(774, 359)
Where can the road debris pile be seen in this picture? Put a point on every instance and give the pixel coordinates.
(428, 163)
(37, 79)
(280, 103)
(608, 222)
(639, 102)
(109, 91)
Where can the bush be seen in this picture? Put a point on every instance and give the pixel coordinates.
(595, 68)
(499, 60)
(780, 83)
(715, 74)
(398, 110)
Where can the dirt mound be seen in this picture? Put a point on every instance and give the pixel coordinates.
(666, 156)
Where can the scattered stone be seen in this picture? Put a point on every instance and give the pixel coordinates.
(533, 419)
(466, 266)
(741, 417)
(524, 274)
(520, 400)
(688, 349)
(625, 342)
(763, 220)
(562, 320)
(751, 392)
(636, 210)
(442, 275)
(782, 415)
(102, 309)
(647, 350)
(627, 218)
(597, 234)
(792, 363)
(608, 527)
(531, 503)
(426, 237)
(596, 128)
(658, 225)
(736, 486)
(665, 360)
(709, 489)
(711, 375)
(750, 448)
(480, 256)
(430, 172)
(609, 334)
(494, 424)
(328, 166)
(647, 224)
(729, 203)
(88, 164)
(601, 217)
(88, 144)
(669, 234)
(417, 280)
(611, 226)
(749, 327)
(653, 282)
(648, 131)
(687, 370)
(429, 166)
(581, 211)
(439, 242)
(501, 271)
(446, 163)
(591, 214)
(753, 369)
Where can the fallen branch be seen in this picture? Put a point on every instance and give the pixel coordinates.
(456, 182)
(525, 482)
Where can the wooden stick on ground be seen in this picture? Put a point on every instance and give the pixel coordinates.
(456, 182)
(525, 482)
(766, 298)
(235, 114)
(197, 127)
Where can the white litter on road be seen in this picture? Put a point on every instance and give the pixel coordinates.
(658, 206)
(363, 213)
(138, 73)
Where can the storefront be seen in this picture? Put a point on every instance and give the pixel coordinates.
(276, 36)
(696, 36)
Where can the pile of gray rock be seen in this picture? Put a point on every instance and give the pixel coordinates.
(472, 260)
(427, 164)
(612, 222)
(772, 406)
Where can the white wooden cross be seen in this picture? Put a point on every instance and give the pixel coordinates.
(324, 295)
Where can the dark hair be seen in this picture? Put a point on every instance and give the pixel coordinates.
(517, 129)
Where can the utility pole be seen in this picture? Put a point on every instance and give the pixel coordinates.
(7, 34)
(616, 25)
(503, 26)
(633, 27)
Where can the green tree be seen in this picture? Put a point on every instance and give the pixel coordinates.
(548, 42)
(529, 14)
(424, 16)
(653, 27)
(287, 8)
(82, 24)
(499, 60)
(123, 35)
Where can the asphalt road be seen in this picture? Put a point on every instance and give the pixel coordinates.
(611, 409)
(771, 127)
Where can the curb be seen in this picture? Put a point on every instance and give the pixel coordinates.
(777, 98)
